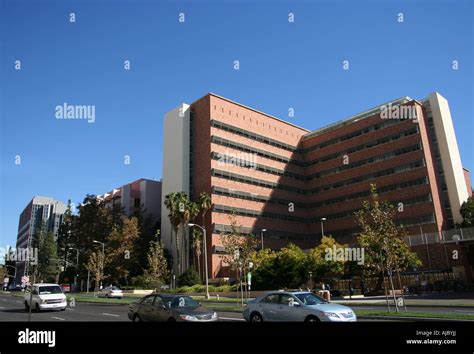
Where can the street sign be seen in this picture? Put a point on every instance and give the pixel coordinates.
(249, 278)
(25, 279)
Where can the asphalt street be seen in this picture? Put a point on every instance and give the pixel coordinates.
(12, 309)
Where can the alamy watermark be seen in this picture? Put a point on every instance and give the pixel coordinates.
(27, 254)
(347, 254)
(68, 111)
(399, 112)
(241, 159)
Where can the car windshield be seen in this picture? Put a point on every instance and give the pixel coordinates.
(114, 288)
(310, 299)
(45, 290)
(181, 301)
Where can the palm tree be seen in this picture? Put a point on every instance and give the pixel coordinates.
(187, 212)
(197, 245)
(205, 204)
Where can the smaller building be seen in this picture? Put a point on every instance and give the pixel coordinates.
(40, 210)
(144, 194)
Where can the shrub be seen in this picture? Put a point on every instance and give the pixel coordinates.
(189, 278)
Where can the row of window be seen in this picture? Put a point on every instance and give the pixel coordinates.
(369, 160)
(362, 194)
(370, 176)
(279, 172)
(254, 181)
(373, 143)
(426, 198)
(242, 147)
(252, 135)
(259, 152)
(352, 135)
(274, 234)
(272, 185)
(429, 218)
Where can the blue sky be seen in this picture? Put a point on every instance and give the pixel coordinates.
(282, 65)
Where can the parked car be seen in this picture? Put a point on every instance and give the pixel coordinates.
(296, 306)
(14, 287)
(166, 307)
(45, 297)
(111, 291)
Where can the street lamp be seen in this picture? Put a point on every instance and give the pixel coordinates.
(77, 263)
(261, 236)
(322, 226)
(205, 256)
(103, 254)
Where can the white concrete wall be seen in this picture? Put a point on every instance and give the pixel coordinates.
(175, 165)
(450, 157)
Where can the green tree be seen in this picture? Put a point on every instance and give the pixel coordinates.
(157, 271)
(382, 240)
(321, 261)
(94, 221)
(467, 212)
(96, 264)
(189, 278)
(47, 257)
(287, 268)
(119, 248)
(197, 246)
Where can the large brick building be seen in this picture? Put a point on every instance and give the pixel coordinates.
(294, 183)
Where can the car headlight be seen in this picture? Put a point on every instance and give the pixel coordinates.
(188, 318)
(331, 314)
(214, 315)
(43, 301)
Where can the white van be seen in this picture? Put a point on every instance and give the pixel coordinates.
(45, 297)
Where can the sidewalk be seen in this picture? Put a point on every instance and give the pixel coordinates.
(442, 300)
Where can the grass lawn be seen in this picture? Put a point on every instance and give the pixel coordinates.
(416, 314)
(214, 299)
(80, 298)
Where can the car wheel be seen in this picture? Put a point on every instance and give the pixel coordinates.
(171, 319)
(64, 309)
(137, 318)
(256, 317)
(312, 319)
(37, 307)
(27, 308)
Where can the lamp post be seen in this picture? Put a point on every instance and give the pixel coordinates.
(103, 255)
(261, 236)
(322, 226)
(205, 256)
(77, 263)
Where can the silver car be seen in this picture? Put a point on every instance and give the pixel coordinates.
(165, 307)
(111, 292)
(296, 306)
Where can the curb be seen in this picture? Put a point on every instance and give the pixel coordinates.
(415, 319)
(414, 305)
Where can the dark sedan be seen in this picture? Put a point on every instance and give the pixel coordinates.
(166, 307)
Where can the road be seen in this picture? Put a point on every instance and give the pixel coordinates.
(12, 309)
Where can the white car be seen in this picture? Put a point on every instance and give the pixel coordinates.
(45, 297)
(111, 291)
